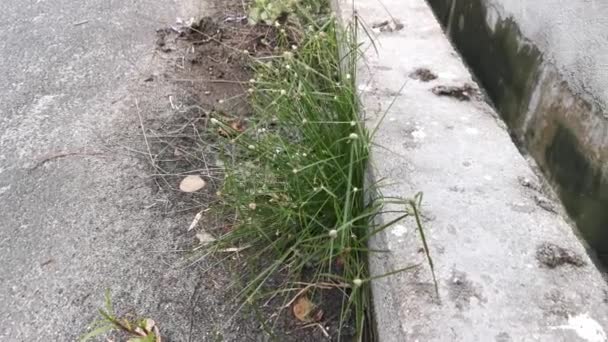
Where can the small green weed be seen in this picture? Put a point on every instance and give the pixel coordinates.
(138, 330)
(271, 11)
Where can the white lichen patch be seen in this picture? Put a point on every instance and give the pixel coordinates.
(585, 327)
(399, 230)
(471, 131)
(418, 134)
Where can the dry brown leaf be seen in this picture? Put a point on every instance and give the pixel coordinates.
(197, 218)
(192, 183)
(302, 308)
(148, 325)
(139, 331)
(223, 133)
(238, 126)
(205, 238)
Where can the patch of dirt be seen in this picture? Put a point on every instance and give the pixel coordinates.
(462, 93)
(555, 303)
(391, 25)
(423, 74)
(552, 256)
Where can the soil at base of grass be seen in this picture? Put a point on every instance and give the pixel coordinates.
(209, 64)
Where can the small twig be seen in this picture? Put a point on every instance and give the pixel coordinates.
(143, 131)
(234, 249)
(207, 80)
(81, 23)
(63, 155)
(318, 325)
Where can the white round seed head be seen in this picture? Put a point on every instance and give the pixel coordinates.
(333, 233)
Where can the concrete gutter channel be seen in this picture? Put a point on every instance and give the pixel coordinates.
(543, 64)
(509, 265)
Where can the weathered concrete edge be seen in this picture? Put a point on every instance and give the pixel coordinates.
(484, 224)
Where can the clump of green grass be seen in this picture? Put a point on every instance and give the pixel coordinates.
(295, 177)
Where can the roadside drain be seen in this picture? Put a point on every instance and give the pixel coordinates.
(556, 125)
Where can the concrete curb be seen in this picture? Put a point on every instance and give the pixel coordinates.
(509, 266)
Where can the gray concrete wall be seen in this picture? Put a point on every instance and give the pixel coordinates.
(544, 64)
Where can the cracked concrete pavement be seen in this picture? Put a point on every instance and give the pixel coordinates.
(78, 217)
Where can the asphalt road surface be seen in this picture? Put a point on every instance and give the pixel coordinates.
(77, 217)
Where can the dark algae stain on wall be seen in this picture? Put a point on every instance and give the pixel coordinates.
(580, 188)
(504, 63)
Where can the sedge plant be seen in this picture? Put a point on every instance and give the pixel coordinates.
(295, 177)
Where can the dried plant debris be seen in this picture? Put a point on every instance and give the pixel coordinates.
(529, 183)
(545, 203)
(462, 93)
(552, 255)
(388, 25)
(423, 74)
